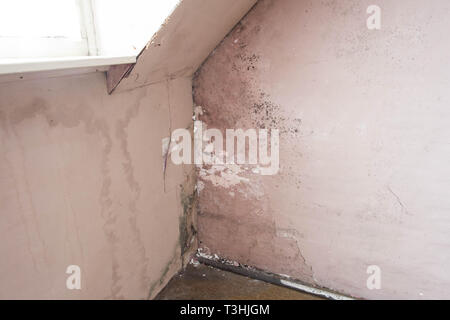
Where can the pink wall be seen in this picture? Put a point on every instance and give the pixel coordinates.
(81, 183)
(81, 172)
(364, 147)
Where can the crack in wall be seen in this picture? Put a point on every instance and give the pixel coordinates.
(167, 151)
(399, 201)
(294, 235)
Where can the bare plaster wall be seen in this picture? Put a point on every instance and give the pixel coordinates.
(364, 145)
(82, 183)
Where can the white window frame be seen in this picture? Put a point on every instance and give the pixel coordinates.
(58, 54)
(88, 26)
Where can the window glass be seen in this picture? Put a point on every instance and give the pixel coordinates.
(40, 18)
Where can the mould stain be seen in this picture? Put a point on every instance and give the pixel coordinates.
(128, 168)
(235, 216)
(187, 223)
(164, 273)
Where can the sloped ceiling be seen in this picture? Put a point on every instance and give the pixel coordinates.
(184, 41)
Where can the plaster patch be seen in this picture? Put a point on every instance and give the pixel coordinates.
(224, 176)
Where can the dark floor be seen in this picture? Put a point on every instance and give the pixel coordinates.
(202, 282)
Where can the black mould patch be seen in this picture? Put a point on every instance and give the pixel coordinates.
(268, 115)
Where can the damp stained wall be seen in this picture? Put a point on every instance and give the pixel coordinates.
(83, 177)
(82, 183)
(364, 145)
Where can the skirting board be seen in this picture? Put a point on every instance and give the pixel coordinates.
(271, 278)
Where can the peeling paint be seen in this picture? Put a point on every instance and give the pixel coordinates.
(224, 176)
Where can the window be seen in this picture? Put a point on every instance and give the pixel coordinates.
(38, 35)
(46, 28)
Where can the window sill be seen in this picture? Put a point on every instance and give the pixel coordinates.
(14, 66)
